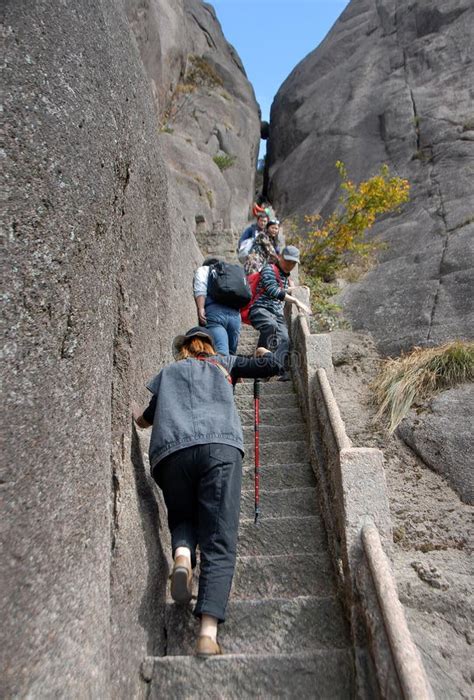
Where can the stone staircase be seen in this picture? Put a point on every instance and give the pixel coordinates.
(285, 636)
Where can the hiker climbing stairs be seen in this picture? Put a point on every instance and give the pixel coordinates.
(285, 635)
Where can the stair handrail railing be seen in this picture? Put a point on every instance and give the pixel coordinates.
(410, 669)
(355, 507)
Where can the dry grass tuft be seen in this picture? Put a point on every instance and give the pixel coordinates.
(410, 379)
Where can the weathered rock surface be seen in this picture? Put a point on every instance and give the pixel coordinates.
(391, 83)
(206, 107)
(432, 527)
(98, 282)
(443, 437)
(436, 591)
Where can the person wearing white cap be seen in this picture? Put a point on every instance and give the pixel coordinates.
(196, 450)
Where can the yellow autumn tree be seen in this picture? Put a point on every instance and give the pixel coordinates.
(331, 244)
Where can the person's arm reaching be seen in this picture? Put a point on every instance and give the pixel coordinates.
(302, 307)
(274, 290)
(266, 364)
(201, 277)
(201, 311)
(145, 419)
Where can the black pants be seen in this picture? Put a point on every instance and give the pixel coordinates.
(201, 487)
(273, 333)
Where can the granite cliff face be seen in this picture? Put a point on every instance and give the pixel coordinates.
(207, 113)
(391, 83)
(101, 254)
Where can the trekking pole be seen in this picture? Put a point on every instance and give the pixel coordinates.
(256, 397)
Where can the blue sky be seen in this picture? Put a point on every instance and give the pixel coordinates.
(272, 36)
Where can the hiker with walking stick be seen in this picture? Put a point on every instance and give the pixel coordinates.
(196, 450)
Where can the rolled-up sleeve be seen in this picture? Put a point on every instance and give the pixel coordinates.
(200, 280)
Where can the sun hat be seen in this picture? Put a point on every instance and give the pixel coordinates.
(291, 252)
(196, 332)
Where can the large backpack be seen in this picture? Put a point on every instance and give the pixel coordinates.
(253, 281)
(228, 285)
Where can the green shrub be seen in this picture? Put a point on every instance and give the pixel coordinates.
(224, 161)
(201, 74)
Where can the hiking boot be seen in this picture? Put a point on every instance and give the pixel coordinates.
(285, 377)
(181, 581)
(207, 647)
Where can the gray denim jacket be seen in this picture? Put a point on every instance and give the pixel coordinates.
(194, 406)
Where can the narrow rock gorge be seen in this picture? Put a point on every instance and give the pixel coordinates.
(131, 139)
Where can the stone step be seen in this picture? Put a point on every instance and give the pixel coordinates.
(247, 333)
(280, 476)
(247, 348)
(278, 453)
(245, 401)
(278, 576)
(318, 674)
(276, 625)
(283, 576)
(281, 535)
(249, 340)
(271, 416)
(266, 388)
(276, 433)
(281, 503)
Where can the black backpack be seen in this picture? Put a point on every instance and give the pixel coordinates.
(227, 285)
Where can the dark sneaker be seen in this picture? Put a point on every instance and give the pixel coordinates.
(285, 377)
(181, 581)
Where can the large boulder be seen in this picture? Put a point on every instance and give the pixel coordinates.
(442, 435)
(391, 83)
(98, 283)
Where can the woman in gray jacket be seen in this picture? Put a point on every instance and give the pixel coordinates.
(196, 450)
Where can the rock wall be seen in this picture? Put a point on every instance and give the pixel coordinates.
(207, 114)
(98, 282)
(391, 83)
